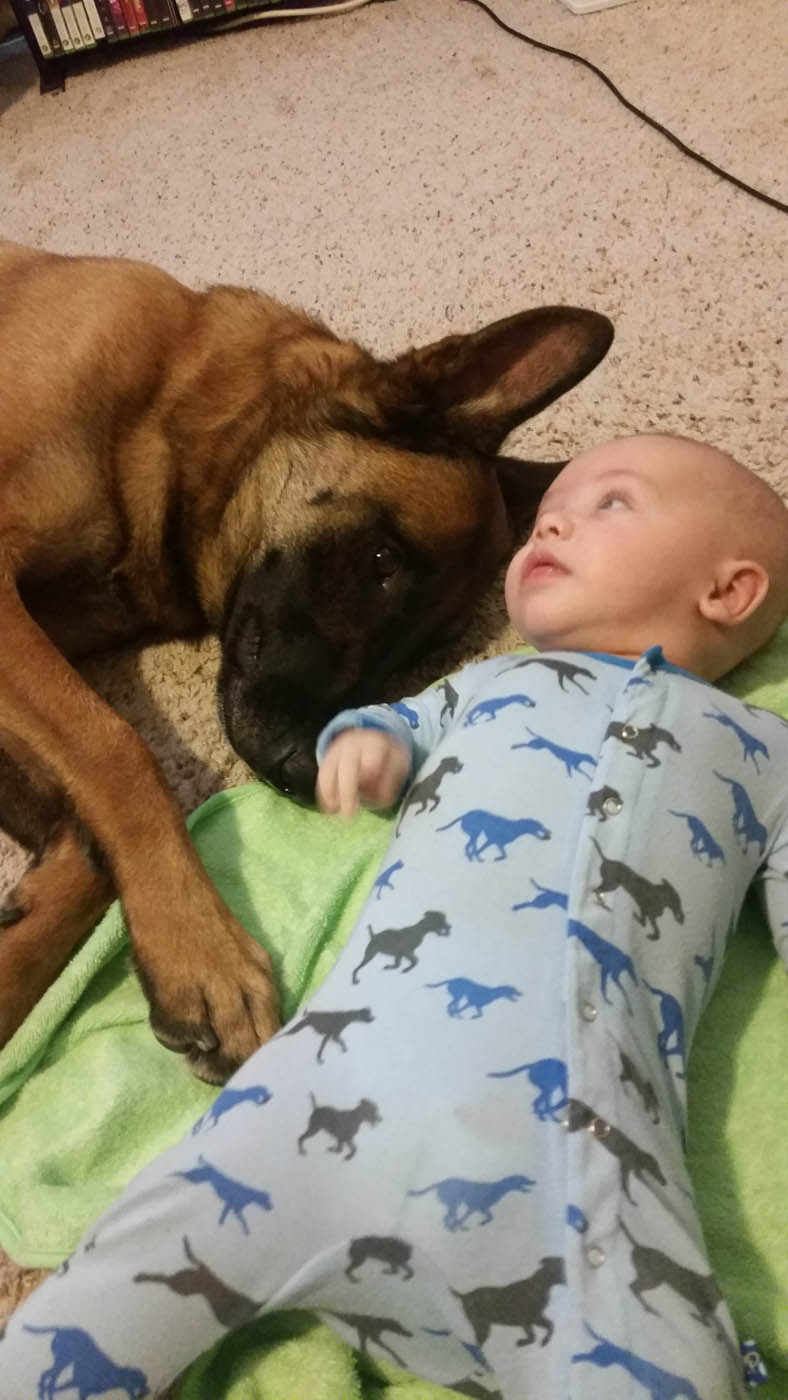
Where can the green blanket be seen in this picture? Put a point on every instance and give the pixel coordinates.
(87, 1095)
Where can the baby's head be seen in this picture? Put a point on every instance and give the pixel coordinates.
(654, 539)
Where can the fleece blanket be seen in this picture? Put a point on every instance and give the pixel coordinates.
(87, 1095)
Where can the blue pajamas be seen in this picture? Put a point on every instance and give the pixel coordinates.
(466, 1152)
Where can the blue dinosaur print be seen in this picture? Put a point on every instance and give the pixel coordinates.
(384, 879)
(465, 994)
(488, 709)
(745, 822)
(572, 759)
(463, 1199)
(546, 898)
(577, 1219)
(235, 1196)
(227, 1101)
(92, 1372)
(612, 962)
(706, 963)
(659, 1384)
(550, 1078)
(493, 830)
(702, 842)
(407, 713)
(751, 744)
(670, 1040)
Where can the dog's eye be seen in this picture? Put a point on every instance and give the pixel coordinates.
(386, 562)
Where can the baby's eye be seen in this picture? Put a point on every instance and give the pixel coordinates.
(611, 500)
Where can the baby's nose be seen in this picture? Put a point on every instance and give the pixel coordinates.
(552, 524)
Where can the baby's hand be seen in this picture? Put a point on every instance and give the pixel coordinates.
(364, 766)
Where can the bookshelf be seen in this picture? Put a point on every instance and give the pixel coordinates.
(67, 37)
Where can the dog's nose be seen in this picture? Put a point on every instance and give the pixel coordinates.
(294, 773)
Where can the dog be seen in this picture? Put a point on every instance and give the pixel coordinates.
(176, 463)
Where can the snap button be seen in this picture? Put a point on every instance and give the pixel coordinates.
(588, 1011)
(595, 1255)
(629, 731)
(612, 806)
(599, 1128)
(562, 1116)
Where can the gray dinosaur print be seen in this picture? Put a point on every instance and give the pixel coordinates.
(400, 944)
(425, 793)
(612, 962)
(387, 1249)
(706, 961)
(488, 710)
(630, 1074)
(485, 829)
(230, 1308)
(341, 1124)
(371, 1329)
(564, 671)
(466, 995)
(550, 1078)
(91, 1371)
(462, 1199)
(228, 1100)
(745, 822)
(604, 802)
(660, 1385)
(702, 843)
(752, 746)
(235, 1196)
(652, 898)
(641, 743)
(329, 1025)
(522, 1304)
(653, 1269)
(632, 1160)
(573, 760)
(450, 700)
(545, 899)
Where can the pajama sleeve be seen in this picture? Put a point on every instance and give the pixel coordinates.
(419, 721)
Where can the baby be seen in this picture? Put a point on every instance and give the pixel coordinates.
(474, 1164)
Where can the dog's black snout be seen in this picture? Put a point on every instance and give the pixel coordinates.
(294, 773)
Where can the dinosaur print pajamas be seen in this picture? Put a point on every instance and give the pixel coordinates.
(466, 1152)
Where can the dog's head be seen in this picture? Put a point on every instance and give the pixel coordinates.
(386, 514)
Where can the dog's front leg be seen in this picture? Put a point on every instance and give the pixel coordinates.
(209, 984)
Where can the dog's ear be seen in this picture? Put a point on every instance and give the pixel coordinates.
(468, 392)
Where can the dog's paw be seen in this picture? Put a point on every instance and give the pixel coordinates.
(215, 1011)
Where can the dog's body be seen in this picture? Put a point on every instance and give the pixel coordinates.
(175, 462)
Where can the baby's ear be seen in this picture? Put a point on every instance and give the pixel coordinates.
(738, 589)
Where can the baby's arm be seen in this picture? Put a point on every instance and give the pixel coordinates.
(362, 766)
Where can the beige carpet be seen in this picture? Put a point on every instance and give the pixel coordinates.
(407, 170)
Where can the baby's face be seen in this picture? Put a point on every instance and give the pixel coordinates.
(621, 548)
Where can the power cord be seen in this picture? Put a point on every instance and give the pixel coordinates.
(650, 121)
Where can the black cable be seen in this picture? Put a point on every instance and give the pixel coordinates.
(650, 121)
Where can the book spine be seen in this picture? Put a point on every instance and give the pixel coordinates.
(155, 14)
(105, 15)
(118, 19)
(36, 23)
(83, 25)
(44, 16)
(140, 15)
(181, 15)
(97, 28)
(67, 9)
(60, 23)
(129, 17)
(185, 11)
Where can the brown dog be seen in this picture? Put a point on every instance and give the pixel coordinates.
(174, 462)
